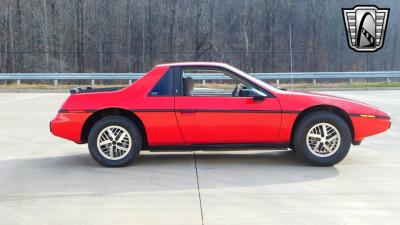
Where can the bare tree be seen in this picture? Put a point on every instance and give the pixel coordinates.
(203, 27)
(11, 60)
(45, 32)
(172, 29)
(19, 35)
(133, 35)
(80, 38)
(247, 32)
(270, 16)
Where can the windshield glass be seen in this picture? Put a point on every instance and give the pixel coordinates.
(251, 78)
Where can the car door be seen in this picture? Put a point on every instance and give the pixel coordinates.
(211, 114)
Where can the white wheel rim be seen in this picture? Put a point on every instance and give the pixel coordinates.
(323, 139)
(114, 142)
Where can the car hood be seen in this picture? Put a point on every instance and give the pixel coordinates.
(303, 100)
(328, 96)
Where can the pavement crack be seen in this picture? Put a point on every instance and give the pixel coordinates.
(198, 187)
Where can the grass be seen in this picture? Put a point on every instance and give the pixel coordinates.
(392, 84)
(51, 87)
(344, 85)
(213, 85)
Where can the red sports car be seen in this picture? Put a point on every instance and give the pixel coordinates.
(174, 107)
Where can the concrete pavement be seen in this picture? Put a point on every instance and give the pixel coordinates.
(47, 180)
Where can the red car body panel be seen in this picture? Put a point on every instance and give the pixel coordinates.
(69, 125)
(364, 127)
(217, 119)
(198, 120)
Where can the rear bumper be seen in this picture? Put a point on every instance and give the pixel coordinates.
(69, 125)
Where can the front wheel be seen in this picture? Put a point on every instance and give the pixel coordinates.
(322, 138)
(114, 141)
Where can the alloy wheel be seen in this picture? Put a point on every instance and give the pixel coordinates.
(114, 142)
(323, 139)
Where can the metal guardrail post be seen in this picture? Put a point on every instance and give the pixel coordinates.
(314, 81)
(93, 83)
(55, 82)
(388, 80)
(18, 82)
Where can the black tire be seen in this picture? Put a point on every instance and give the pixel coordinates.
(132, 130)
(308, 122)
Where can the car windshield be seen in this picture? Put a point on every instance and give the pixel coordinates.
(251, 78)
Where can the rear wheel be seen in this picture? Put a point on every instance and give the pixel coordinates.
(114, 141)
(322, 138)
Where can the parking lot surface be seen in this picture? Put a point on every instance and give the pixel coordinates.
(48, 180)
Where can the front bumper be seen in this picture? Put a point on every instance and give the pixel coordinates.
(365, 127)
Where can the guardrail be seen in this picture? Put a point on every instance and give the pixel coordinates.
(314, 76)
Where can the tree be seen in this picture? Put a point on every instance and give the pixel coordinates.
(133, 35)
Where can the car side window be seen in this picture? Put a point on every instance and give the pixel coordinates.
(164, 86)
(211, 82)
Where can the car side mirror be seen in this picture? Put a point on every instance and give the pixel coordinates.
(251, 93)
(244, 93)
(258, 98)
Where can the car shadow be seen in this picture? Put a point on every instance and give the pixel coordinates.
(153, 172)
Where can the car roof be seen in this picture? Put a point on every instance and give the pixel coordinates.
(218, 64)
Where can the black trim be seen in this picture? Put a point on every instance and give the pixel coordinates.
(216, 111)
(291, 111)
(93, 90)
(382, 117)
(235, 111)
(186, 110)
(177, 80)
(151, 110)
(77, 111)
(205, 147)
(374, 116)
(191, 111)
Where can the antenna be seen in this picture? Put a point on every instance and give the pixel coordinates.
(291, 54)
